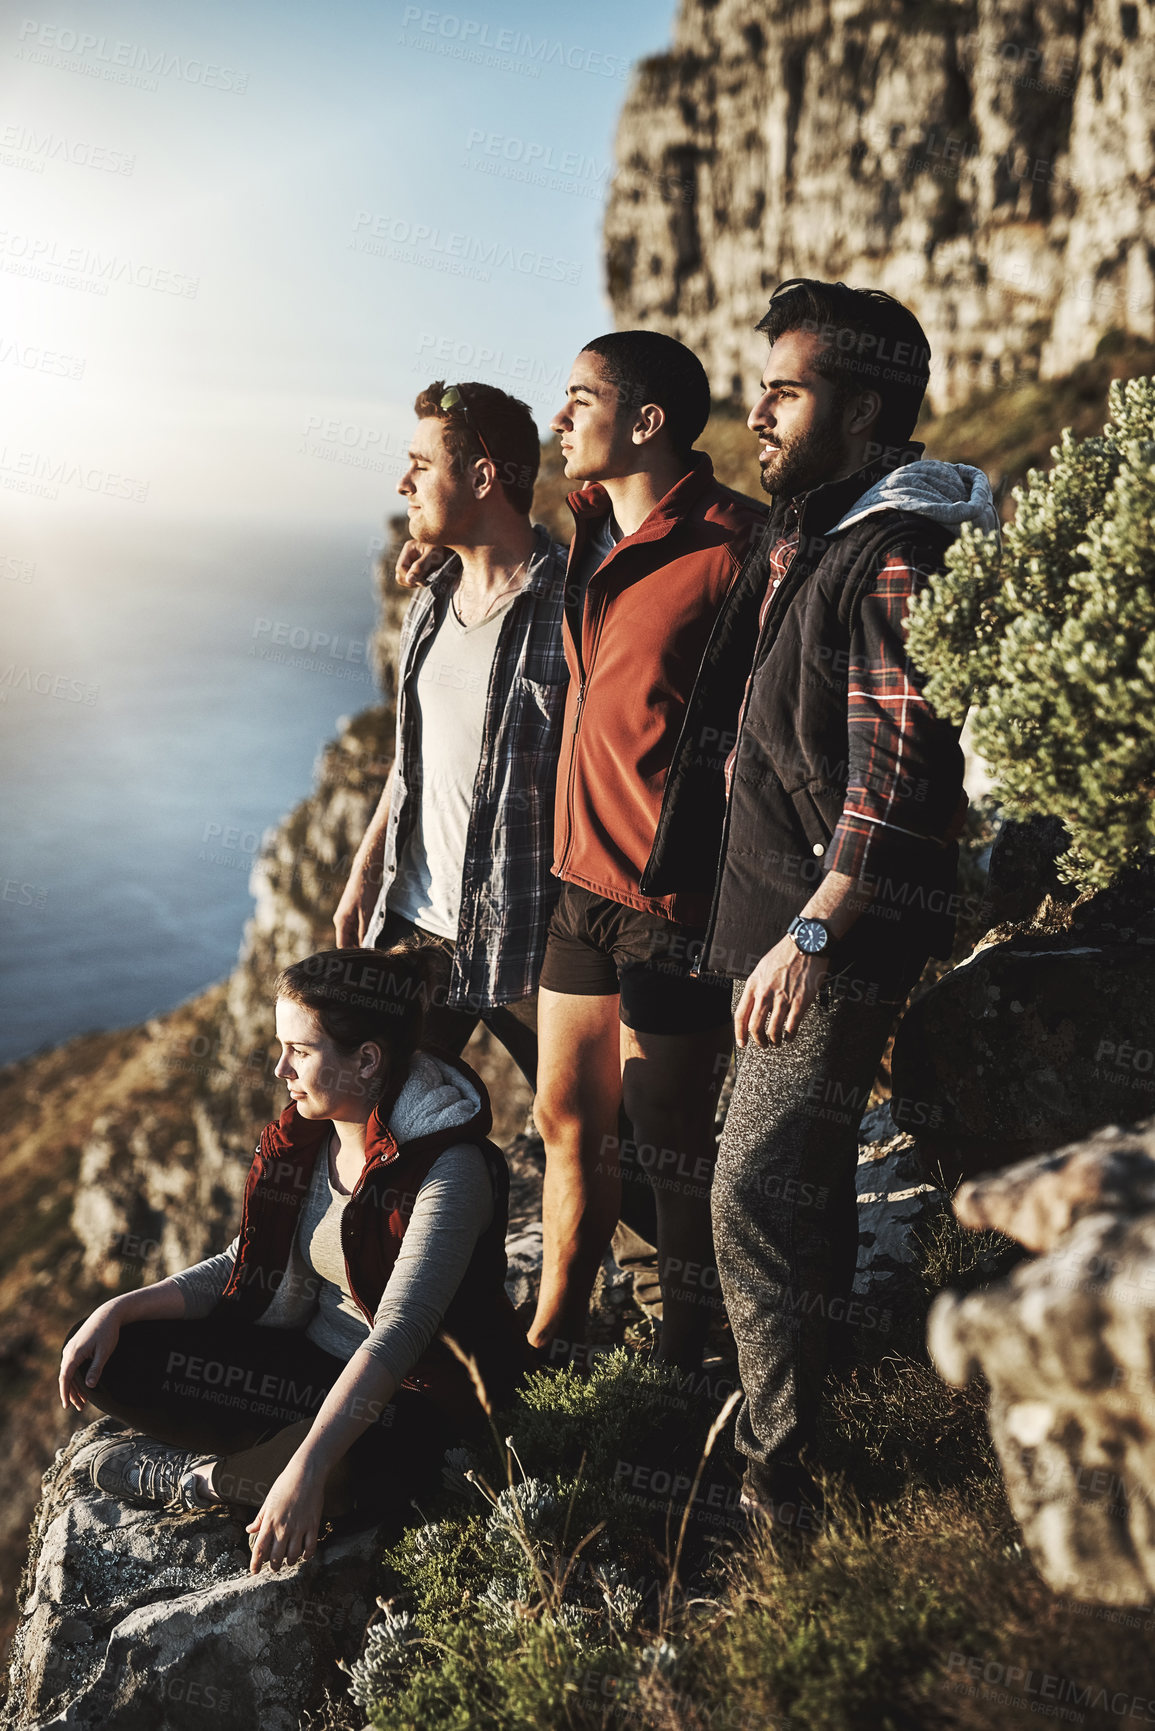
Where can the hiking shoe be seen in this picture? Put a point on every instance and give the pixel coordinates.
(140, 1471)
(785, 1498)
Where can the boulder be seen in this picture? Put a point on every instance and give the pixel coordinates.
(1039, 1200)
(1066, 1344)
(1023, 870)
(151, 1622)
(523, 1252)
(1027, 1045)
(895, 1200)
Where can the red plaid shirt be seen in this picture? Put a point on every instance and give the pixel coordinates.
(885, 706)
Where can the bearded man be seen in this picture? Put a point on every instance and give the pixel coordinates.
(844, 798)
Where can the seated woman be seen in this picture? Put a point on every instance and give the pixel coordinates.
(304, 1371)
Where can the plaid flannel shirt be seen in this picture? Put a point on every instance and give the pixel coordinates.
(885, 710)
(507, 888)
(885, 707)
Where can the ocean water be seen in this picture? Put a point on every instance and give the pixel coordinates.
(164, 693)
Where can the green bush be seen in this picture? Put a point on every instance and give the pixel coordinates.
(521, 1605)
(1051, 638)
(517, 1606)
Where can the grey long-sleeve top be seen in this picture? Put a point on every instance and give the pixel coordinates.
(452, 1209)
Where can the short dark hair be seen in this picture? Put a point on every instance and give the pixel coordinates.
(872, 341)
(360, 995)
(647, 367)
(505, 424)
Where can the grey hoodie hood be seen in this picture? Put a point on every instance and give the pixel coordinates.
(435, 1096)
(948, 493)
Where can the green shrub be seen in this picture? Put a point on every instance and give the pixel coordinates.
(493, 1624)
(565, 1415)
(1051, 637)
(522, 1605)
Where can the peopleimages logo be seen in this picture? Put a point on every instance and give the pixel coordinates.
(527, 375)
(119, 62)
(23, 147)
(42, 682)
(535, 164)
(454, 251)
(48, 259)
(35, 471)
(479, 40)
(1024, 1686)
(299, 637)
(33, 359)
(329, 439)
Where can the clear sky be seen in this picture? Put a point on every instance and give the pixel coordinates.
(235, 239)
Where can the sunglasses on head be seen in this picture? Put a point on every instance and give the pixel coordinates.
(453, 400)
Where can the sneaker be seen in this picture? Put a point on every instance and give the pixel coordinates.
(141, 1471)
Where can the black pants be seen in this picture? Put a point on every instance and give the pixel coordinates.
(515, 1025)
(785, 1207)
(249, 1394)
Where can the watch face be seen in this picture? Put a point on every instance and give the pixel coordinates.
(811, 937)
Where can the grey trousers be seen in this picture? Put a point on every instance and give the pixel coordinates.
(784, 1204)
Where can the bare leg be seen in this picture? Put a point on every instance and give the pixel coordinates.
(670, 1086)
(579, 1090)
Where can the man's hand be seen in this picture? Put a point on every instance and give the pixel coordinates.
(416, 563)
(359, 897)
(288, 1523)
(778, 994)
(355, 909)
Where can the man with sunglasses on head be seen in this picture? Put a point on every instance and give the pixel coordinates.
(460, 846)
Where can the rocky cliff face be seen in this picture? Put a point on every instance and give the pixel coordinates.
(988, 162)
(143, 1620)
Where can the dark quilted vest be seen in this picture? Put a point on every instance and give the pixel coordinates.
(792, 765)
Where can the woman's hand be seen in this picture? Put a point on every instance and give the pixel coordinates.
(94, 1342)
(288, 1522)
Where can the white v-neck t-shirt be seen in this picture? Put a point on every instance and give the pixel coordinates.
(450, 697)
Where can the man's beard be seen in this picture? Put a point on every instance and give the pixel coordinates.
(805, 460)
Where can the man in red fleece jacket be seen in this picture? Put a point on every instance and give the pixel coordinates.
(657, 547)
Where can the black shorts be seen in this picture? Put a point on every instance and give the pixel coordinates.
(597, 947)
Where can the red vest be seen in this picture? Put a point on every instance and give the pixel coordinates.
(480, 1317)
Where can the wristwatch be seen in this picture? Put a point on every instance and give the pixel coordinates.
(813, 937)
